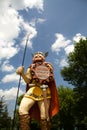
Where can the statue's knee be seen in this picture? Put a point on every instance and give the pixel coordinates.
(23, 110)
(43, 116)
(20, 111)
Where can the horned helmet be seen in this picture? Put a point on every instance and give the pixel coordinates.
(39, 56)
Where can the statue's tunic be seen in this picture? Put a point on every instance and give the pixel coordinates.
(36, 93)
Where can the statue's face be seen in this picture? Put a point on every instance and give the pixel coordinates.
(38, 57)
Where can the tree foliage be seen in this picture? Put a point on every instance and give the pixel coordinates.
(65, 115)
(5, 120)
(76, 74)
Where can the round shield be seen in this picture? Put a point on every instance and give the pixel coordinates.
(42, 72)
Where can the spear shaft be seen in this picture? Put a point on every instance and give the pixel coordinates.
(19, 81)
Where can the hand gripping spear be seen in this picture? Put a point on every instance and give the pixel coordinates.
(44, 87)
(19, 81)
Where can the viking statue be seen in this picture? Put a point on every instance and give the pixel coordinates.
(40, 101)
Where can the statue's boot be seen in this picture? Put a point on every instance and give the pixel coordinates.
(45, 125)
(48, 125)
(24, 122)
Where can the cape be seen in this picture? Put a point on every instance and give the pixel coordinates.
(54, 103)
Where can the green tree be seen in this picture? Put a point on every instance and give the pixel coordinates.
(65, 115)
(5, 120)
(76, 74)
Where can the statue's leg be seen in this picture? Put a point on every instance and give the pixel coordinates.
(45, 125)
(24, 122)
(24, 116)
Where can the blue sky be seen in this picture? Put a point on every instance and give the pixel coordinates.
(53, 26)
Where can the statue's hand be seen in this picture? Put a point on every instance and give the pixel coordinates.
(20, 70)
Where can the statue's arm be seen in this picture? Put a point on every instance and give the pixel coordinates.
(27, 76)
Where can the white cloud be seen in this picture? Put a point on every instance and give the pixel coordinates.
(38, 4)
(29, 44)
(8, 50)
(39, 20)
(60, 43)
(69, 48)
(34, 21)
(9, 30)
(11, 24)
(23, 4)
(63, 62)
(66, 45)
(10, 78)
(77, 37)
(10, 94)
(7, 67)
(13, 77)
(31, 31)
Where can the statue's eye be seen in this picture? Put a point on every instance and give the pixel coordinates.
(36, 56)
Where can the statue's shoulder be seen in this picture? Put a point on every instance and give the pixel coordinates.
(48, 64)
(31, 66)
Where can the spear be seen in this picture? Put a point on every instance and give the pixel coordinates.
(19, 81)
